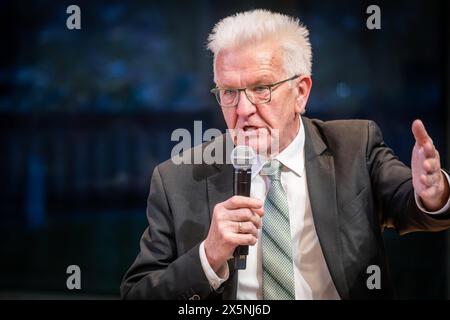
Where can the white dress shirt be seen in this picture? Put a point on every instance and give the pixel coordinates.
(311, 275)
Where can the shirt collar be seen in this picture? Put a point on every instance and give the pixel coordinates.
(291, 157)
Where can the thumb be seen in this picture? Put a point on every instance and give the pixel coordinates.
(419, 132)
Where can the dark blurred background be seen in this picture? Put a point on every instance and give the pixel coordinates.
(85, 115)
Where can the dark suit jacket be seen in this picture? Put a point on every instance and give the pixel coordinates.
(357, 186)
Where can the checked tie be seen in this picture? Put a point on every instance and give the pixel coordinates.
(278, 270)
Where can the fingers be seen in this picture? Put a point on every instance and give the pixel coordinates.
(429, 150)
(431, 165)
(243, 239)
(237, 202)
(423, 140)
(235, 222)
(246, 228)
(243, 215)
(248, 234)
(430, 180)
(420, 133)
(240, 239)
(428, 193)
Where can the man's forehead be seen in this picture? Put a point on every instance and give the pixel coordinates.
(255, 62)
(264, 53)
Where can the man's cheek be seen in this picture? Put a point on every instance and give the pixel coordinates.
(230, 119)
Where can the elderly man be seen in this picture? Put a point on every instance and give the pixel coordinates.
(314, 221)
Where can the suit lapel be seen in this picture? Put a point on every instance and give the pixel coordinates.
(322, 192)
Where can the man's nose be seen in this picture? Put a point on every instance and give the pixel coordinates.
(244, 107)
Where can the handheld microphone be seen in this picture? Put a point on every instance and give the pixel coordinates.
(242, 158)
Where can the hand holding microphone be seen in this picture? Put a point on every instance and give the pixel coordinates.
(235, 222)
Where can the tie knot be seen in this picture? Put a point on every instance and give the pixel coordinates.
(273, 169)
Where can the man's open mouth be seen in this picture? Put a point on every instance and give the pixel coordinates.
(249, 128)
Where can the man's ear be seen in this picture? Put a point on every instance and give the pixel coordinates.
(303, 87)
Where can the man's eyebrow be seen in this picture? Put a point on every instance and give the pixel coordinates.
(263, 80)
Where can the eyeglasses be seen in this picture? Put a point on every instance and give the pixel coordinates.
(255, 94)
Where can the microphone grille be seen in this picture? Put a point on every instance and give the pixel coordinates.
(243, 157)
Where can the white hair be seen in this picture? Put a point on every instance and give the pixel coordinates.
(260, 25)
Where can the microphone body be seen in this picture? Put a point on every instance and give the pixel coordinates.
(242, 179)
(242, 157)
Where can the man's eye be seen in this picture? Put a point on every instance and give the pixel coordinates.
(229, 92)
(260, 89)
